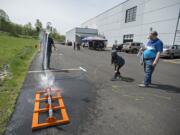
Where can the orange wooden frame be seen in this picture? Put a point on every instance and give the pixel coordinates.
(50, 121)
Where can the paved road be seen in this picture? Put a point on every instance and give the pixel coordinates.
(98, 106)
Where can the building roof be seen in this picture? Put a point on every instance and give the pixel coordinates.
(106, 11)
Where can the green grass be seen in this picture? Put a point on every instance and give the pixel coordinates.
(18, 53)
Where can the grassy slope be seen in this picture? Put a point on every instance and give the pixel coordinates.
(18, 53)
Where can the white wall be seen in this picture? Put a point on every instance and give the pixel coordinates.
(161, 15)
(70, 35)
(86, 31)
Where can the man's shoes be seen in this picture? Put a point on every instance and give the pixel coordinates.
(142, 85)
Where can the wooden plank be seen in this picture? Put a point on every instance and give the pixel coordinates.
(36, 115)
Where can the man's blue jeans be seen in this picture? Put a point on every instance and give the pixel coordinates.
(148, 71)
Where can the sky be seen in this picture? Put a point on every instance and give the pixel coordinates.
(63, 14)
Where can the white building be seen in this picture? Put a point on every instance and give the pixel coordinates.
(77, 34)
(132, 20)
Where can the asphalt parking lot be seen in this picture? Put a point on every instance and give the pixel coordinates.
(98, 106)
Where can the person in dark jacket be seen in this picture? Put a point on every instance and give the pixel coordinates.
(49, 50)
(118, 62)
(114, 47)
(78, 46)
(74, 45)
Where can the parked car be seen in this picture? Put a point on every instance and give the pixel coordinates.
(85, 44)
(171, 51)
(132, 47)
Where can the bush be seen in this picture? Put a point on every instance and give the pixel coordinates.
(16, 29)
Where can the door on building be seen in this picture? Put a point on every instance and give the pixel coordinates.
(128, 38)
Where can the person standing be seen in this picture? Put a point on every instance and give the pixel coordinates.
(49, 50)
(151, 56)
(114, 47)
(74, 45)
(78, 46)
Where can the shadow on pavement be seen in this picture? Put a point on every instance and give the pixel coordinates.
(166, 87)
(127, 79)
(100, 50)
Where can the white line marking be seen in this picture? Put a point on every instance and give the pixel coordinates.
(82, 69)
(59, 70)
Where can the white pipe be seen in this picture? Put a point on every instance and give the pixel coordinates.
(50, 107)
(46, 44)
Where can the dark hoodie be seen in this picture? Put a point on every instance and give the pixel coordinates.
(117, 59)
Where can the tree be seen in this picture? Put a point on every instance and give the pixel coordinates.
(4, 16)
(38, 25)
(28, 30)
(57, 36)
(19, 30)
(54, 30)
(29, 25)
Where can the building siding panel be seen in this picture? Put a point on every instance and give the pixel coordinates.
(155, 14)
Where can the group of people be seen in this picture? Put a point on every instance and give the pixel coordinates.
(150, 54)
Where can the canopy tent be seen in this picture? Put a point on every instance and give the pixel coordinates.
(94, 39)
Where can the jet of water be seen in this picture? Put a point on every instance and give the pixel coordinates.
(43, 48)
(47, 78)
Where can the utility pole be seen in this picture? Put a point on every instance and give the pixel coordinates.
(177, 31)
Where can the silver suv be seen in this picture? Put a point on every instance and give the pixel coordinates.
(132, 47)
(171, 51)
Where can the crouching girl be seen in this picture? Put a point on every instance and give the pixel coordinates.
(118, 62)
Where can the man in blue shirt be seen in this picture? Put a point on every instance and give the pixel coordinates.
(151, 57)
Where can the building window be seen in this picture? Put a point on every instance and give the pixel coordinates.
(128, 38)
(131, 14)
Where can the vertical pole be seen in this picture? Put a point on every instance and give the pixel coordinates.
(176, 28)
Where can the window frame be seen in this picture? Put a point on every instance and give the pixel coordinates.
(128, 37)
(131, 14)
